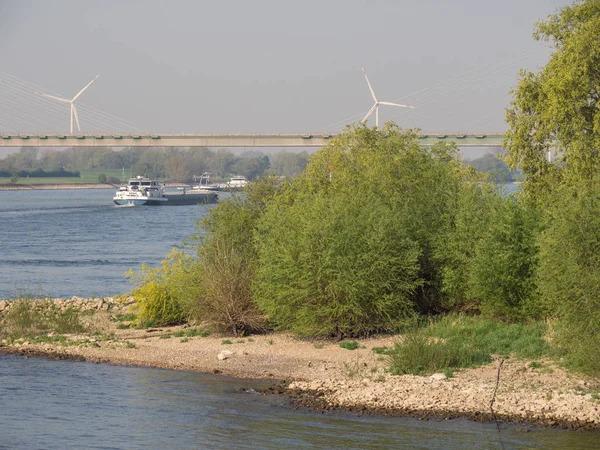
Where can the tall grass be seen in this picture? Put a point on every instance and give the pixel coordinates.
(455, 341)
(27, 318)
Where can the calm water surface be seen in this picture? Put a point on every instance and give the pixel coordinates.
(46, 404)
(75, 242)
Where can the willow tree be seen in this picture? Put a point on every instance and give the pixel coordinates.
(558, 107)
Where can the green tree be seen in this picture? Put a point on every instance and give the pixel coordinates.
(569, 272)
(176, 168)
(335, 264)
(504, 264)
(558, 107)
(497, 169)
(288, 164)
(160, 291)
(320, 228)
(252, 167)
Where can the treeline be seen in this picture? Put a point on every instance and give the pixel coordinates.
(377, 232)
(173, 164)
(497, 169)
(40, 173)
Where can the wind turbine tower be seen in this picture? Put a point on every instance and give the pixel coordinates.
(72, 103)
(375, 107)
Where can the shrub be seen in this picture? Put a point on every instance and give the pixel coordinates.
(335, 265)
(348, 248)
(349, 345)
(226, 263)
(159, 291)
(504, 263)
(569, 273)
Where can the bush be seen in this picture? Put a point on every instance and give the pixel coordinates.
(349, 345)
(102, 178)
(348, 249)
(569, 273)
(335, 265)
(226, 262)
(226, 297)
(504, 263)
(160, 291)
(469, 217)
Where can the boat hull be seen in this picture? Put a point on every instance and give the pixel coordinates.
(169, 199)
(190, 198)
(129, 202)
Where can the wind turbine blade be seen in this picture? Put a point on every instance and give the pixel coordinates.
(396, 104)
(370, 88)
(76, 117)
(64, 100)
(88, 85)
(369, 113)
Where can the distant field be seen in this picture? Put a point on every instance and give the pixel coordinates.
(87, 177)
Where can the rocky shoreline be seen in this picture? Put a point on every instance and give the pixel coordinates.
(325, 377)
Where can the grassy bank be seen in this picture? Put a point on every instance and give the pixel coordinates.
(458, 341)
(89, 176)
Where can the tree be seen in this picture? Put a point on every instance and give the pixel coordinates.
(558, 108)
(221, 162)
(288, 164)
(252, 167)
(496, 168)
(348, 248)
(176, 168)
(569, 273)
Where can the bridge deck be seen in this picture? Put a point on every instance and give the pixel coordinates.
(219, 140)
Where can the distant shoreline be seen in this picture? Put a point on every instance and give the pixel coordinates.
(37, 187)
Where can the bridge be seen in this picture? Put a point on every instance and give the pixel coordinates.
(221, 140)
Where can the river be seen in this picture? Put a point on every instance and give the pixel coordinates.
(75, 242)
(63, 243)
(47, 404)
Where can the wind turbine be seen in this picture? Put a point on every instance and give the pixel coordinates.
(72, 103)
(375, 107)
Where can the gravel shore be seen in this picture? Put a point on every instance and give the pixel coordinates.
(322, 375)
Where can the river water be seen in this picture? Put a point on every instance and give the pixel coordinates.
(75, 242)
(47, 404)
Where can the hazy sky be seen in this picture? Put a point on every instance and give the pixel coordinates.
(264, 65)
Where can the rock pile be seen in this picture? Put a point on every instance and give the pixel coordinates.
(76, 303)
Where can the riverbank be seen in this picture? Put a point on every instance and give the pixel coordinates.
(325, 376)
(33, 187)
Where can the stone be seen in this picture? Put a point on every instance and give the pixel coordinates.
(225, 354)
(438, 377)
